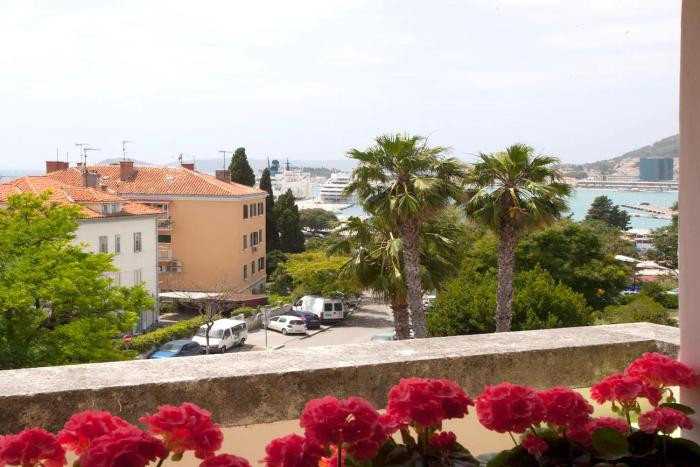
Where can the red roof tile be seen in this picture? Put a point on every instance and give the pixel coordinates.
(151, 180)
(68, 194)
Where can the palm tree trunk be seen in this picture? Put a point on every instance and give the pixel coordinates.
(507, 239)
(399, 308)
(410, 234)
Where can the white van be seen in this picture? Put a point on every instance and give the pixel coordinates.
(224, 334)
(327, 309)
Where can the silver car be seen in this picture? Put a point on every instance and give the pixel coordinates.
(287, 324)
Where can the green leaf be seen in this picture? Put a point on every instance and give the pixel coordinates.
(680, 407)
(500, 460)
(609, 443)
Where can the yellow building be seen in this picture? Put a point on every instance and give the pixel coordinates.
(211, 233)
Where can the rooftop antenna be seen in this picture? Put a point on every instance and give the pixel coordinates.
(268, 162)
(82, 147)
(124, 143)
(224, 154)
(84, 168)
(179, 158)
(288, 169)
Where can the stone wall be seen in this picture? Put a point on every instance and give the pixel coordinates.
(260, 387)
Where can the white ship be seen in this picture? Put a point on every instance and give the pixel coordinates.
(332, 191)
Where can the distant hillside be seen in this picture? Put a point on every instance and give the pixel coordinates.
(667, 147)
(210, 165)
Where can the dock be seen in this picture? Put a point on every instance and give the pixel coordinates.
(650, 210)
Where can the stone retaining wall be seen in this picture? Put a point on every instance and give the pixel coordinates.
(260, 387)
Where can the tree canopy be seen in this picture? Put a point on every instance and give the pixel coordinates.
(317, 219)
(240, 169)
(57, 303)
(272, 236)
(603, 209)
(313, 273)
(286, 215)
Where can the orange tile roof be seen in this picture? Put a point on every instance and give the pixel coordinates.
(68, 194)
(152, 180)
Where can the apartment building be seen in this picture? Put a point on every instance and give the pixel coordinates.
(111, 224)
(211, 232)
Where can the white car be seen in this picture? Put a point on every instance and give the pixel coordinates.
(287, 324)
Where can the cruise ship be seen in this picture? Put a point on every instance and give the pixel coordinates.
(332, 191)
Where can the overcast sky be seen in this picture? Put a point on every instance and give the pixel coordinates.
(582, 80)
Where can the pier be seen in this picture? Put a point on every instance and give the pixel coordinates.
(650, 210)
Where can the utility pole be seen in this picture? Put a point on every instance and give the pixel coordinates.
(224, 153)
(124, 143)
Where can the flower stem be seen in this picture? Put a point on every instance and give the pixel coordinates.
(513, 438)
(160, 462)
(340, 455)
(663, 446)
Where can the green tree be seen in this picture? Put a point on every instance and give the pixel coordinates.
(241, 172)
(405, 182)
(467, 304)
(603, 209)
(579, 255)
(272, 236)
(665, 243)
(317, 219)
(286, 215)
(315, 273)
(274, 258)
(57, 305)
(376, 259)
(511, 192)
(642, 309)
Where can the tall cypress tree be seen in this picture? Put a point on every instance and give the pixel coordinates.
(272, 237)
(241, 172)
(287, 218)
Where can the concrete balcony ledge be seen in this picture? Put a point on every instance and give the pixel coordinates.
(261, 387)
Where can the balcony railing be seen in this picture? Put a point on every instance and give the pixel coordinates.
(165, 254)
(574, 357)
(165, 224)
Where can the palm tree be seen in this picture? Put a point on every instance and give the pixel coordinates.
(510, 192)
(376, 260)
(404, 182)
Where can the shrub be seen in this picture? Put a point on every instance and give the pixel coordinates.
(643, 309)
(246, 311)
(179, 330)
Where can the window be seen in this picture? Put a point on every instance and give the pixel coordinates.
(260, 236)
(260, 209)
(245, 242)
(245, 211)
(251, 240)
(252, 267)
(137, 276)
(245, 271)
(117, 244)
(327, 307)
(253, 209)
(105, 208)
(118, 278)
(255, 238)
(137, 242)
(164, 239)
(261, 263)
(104, 246)
(338, 306)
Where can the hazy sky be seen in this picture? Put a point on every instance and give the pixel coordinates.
(583, 80)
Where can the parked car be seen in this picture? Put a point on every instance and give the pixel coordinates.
(311, 319)
(177, 348)
(287, 324)
(327, 309)
(385, 336)
(428, 300)
(224, 334)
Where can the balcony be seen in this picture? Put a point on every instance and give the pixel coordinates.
(254, 388)
(165, 254)
(165, 223)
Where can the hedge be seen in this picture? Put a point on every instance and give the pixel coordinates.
(179, 330)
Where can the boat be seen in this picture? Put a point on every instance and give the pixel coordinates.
(332, 191)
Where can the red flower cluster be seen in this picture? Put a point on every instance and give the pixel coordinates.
(534, 445)
(662, 371)
(583, 433)
(664, 419)
(625, 390)
(292, 451)
(31, 447)
(352, 422)
(127, 446)
(509, 407)
(564, 406)
(225, 460)
(82, 428)
(444, 441)
(427, 401)
(186, 428)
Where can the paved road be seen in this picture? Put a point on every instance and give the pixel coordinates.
(368, 320)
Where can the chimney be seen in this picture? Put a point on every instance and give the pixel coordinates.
(188, 165)
(92, 180)
(55, 166)
(126, 169)
(223, 175)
